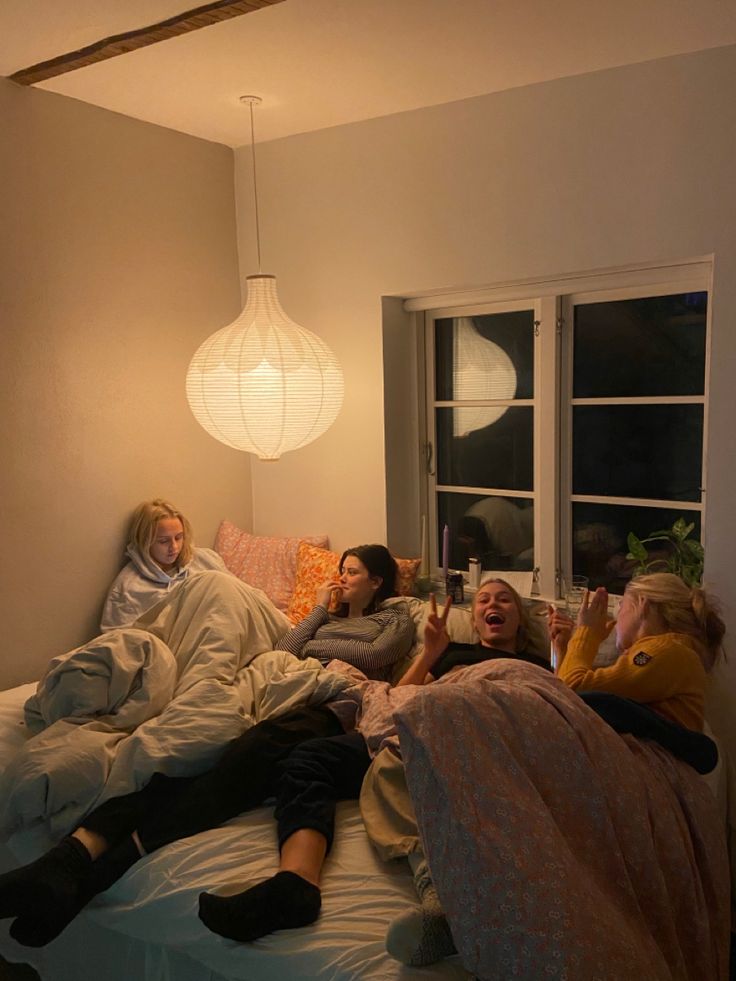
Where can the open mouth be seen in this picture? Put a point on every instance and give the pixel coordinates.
(494, 619)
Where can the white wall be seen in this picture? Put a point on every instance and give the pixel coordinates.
(623, 166)
(118, 258)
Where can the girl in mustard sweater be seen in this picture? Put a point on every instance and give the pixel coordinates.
(668, 637)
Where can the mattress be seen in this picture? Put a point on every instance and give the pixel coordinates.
(146, 926)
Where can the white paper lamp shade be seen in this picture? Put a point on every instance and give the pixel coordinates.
(264, 384)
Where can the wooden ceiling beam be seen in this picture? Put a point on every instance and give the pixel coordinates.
(111, 47)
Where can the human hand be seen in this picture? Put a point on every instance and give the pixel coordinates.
(560, 626)
(593, 612)
(436, 637)
(329, 594)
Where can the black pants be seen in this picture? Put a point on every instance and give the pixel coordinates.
(625, 715)
(304, 759)
(314, 778)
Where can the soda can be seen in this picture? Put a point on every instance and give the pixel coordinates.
(454, 587)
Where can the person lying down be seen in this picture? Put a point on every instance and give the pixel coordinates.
(79, 870)
(668, 637)
(304, 758)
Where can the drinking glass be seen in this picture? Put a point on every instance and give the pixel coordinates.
(543, 611)
(575, 590)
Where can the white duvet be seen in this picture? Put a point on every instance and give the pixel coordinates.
(165, 695)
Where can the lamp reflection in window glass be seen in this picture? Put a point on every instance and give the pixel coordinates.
(481, 359)
(481, 370)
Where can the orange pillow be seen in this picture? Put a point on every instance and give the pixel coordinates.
(407, 576)
(316, 565)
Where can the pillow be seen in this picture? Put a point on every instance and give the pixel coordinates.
(317, 565)
(313, 567)
(407, 578)
(265, 562)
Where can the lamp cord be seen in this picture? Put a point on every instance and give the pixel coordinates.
(255, 186)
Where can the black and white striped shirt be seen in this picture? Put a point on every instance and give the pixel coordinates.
(372, 643)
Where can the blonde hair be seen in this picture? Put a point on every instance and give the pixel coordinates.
(684, 610)
(145, 521)
(522, 634)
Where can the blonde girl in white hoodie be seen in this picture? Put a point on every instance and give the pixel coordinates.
(161, 554)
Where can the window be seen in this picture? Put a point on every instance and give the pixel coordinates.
(637, 423)
(556, 423)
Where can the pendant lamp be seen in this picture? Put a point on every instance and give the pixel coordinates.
(264, 384)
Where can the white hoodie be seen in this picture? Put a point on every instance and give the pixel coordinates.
(141, 583)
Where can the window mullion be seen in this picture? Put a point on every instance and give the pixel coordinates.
(430, 446)
(546, 484)
(564, 403)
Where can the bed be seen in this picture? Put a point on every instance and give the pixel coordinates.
(145, 927)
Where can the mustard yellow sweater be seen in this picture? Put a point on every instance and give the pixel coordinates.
(663, 671)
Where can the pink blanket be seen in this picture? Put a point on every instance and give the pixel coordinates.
(559, 848)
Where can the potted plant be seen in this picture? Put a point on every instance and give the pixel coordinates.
(673, 551)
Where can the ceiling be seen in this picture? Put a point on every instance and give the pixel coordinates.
(321, 63)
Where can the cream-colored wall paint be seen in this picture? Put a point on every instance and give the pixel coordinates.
(624, 166)
(119, 257)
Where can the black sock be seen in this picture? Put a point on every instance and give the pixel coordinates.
(51, 882)
(280, 903)
(48, 894)
(48, 891)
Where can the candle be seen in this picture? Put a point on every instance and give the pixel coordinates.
(445, 550)
(424, 565)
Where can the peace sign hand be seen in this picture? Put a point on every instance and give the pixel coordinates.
(436, 637)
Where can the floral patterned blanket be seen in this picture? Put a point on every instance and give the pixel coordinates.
(559, 848)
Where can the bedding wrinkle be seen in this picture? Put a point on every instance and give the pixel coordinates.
(167, 695)
(542, 826)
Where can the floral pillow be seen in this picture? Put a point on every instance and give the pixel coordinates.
(317, 565)
(268, 563)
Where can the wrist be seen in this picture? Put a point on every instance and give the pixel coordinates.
(429, 658)
(590, 631)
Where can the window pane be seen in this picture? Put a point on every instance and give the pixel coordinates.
(486, 447)
(649, 451)
(497, 530)
(651, 346)
(485, 357)
(599, 539)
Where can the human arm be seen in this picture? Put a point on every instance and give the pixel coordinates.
(593, 627)
(654, 668)
(115, 612)
(294, 640)
(126, 599)
(560, 627)
(436, 640)
(371, 643)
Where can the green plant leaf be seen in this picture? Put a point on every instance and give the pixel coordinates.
(694, 548)
(684, 556)
(637, 551)
(681, 530)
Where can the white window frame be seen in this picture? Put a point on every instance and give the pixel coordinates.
(553, 302)
(686, 283)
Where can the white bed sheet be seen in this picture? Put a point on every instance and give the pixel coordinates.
(146, 926)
